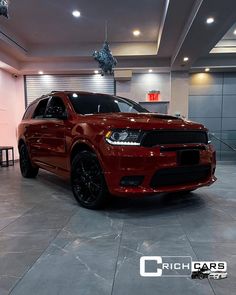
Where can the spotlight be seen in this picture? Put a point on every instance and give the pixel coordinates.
(136, 33)
(210, 20)
(76, 13)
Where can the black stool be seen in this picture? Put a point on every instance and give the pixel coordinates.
(7, 162)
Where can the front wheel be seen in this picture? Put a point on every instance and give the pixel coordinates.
(87, 180)
(27, 170)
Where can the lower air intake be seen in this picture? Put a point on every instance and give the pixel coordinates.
(180, 176)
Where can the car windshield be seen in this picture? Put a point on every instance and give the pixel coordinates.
(101, 103)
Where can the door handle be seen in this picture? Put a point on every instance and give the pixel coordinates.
(44, 126)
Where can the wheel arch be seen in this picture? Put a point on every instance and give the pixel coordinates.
(78, 147)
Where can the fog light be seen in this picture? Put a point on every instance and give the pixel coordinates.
(132, 180)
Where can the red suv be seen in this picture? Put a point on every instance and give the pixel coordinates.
(108, 144)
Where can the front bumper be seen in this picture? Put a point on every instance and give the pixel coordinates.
(125, 161)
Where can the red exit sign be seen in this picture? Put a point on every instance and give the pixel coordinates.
(153, 96)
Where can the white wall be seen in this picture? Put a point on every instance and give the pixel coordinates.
(179, 94)
(12, 107)
(141, 84)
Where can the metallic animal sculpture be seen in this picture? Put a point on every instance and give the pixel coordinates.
(105, 59)
(4, 8)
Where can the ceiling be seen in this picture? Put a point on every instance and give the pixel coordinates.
(227, 45)
(51, 22)
(43, 35)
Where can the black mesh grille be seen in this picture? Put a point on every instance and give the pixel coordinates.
(154, 138)
(180, 175)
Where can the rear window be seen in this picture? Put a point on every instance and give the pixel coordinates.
(99, 103)
(40, 109)
(28, 112)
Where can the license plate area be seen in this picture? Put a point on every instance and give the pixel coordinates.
(188, 157)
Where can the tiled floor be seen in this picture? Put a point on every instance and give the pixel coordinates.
(50, 246)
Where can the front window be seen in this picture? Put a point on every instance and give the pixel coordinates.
(101, 103)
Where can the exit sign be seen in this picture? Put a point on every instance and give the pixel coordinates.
(153, 96)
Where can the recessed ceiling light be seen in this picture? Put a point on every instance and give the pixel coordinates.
(210, 20)
(40, 72)
(185, 58)
(96, 72)
(150, 71)
(207, 70)
(136, 33)
(234, 32)
(76, 13)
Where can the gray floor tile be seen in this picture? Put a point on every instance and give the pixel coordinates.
(7, 283)
(16, 264)
(49, 245)
(81, 267)
(23, 242)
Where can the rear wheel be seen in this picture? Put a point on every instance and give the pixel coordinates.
(87, 180)
(27, 170)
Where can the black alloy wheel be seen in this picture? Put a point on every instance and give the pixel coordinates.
(87, 180)
(27, 170)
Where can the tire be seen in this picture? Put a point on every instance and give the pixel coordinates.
(27, 170)
(87, 181)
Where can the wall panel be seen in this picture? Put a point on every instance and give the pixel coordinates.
(212, 101)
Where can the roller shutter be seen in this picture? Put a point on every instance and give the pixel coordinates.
(36, 85)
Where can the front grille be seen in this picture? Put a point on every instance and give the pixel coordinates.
(180, 175)
(154, 138)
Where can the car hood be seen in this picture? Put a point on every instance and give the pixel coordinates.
(145, 121)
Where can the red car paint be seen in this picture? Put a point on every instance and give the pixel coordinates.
(52, 142)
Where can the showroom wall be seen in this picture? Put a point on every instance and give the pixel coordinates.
(140, 84)
(12, 105)
(179, 94)
(212, 101)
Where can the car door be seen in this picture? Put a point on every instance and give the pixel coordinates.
(53, 137)
(34, 131)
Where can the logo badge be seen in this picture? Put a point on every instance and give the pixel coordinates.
(181, 266)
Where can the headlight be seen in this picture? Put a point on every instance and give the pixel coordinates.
(124, 137)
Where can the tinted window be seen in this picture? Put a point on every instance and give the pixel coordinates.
(97, 103)
(28, 112)
(55, 104)
(40, 109)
